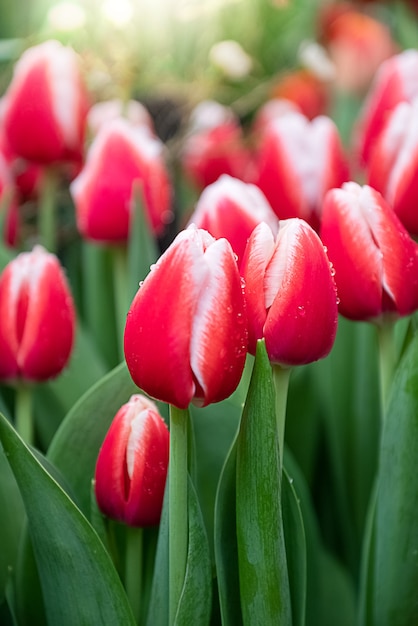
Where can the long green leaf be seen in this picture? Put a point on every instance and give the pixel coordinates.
(196, 597)
(295, 549)
(225, 541)
(264, 584)
(79, 582)
(395, 566)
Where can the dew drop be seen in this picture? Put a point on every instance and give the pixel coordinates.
(301, 311)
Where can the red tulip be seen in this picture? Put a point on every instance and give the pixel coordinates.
(290, 293)
(36, 317)
(232, 209)
(131, 468)
(120, 157)
(214, 146)
(395, 82)
(298, 162)
(186, 333)
(393, 166)
(46, 105)
(307, 91)
(375, 260)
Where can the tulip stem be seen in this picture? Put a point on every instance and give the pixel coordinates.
(120, 289)
(178, 522)
(47, 225)
(281, 376)
(23, 412)
(387, 358)
(133, 569)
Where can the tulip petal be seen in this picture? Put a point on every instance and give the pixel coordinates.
(260, 248)
(219, 341)
(159, 322)
(352, 248)
(302, 320)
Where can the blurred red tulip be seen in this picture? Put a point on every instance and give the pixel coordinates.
(186, 332)
(307, 91)
(298, 161)
(120, 157)
(375, 260)
(232, 209)
(393, 166)
(396, 81)
(46, 105)
(37, 317)
(290, 293)
(357, 44)
(131, 468)
(214, 146)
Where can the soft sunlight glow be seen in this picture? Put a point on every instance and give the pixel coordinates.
(66, 16)
(119, 12)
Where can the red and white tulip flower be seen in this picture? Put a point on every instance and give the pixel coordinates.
(186, 332)
(231, 208)
(37, 317)
(375, 259)
(290, 293)
(298, 161)
(121, 156)
(131, 468)
(46, 105)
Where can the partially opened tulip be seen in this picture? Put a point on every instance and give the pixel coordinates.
(298, 161)
(214, 146)
(290, 293)
(46, 105)
(186, 334)
(132, 464)
(375, 261)
(395, 82)
(231, 208)
(393, 165)
(37, 323)
(121, 156)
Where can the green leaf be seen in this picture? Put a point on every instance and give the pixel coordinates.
(226, 548)
(196, 597)
(295, 541)
(82, 432)
(159, 599)
(264, 584)
(79, 582)
(395, 533)
(11, 522)
(142, 247)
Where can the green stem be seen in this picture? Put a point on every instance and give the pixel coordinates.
(387, 358)
(133, 569)
(281, 376)
(178, 522)
(23, 413)
(46, 217)
(120, 289)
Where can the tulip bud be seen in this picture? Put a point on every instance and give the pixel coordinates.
(46, 105)
(393, 166)
(214, 146)
(131, 468)
(36, 317)
(395, 81)
(232, 209)
(375, 260)
(290, 293)
(298, 161)
(120, 156)
(186, 333)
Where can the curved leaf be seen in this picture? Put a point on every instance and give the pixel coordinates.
(79, 582)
